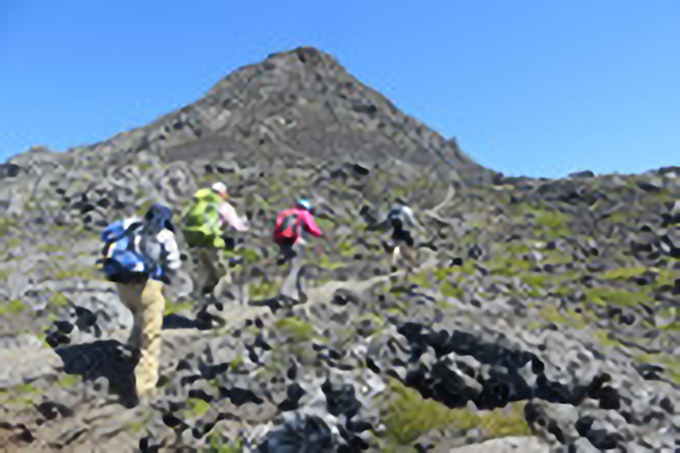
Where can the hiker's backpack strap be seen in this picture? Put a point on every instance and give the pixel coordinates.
(156, 245)
(292, 221)
(115, 233)
(159, 253)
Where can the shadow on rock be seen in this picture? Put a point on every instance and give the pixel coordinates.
(109, 359)
(504, 383)
(308, 434)
(174, 321)
(514, 376)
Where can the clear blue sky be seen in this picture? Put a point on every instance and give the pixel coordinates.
(533, 87)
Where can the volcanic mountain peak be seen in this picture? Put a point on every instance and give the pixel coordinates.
(294, 105)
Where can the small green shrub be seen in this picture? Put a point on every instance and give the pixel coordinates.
(554, 223)
(670, 363)
(299, 330)
(407, 416)
(264, 290)
(58, 300)
(85, 273)
(171, 309)
(569, 317)
(68, 381)
(509, 267)
(421, 279)
(535, 280)
(14, 307)
(216, 445)
(5, 273)
(197, 407)
(14, 242)
(51, 248)
(605, 296)
(449, 290)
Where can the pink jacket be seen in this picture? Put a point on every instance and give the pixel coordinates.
(304, 219)
(230, 217)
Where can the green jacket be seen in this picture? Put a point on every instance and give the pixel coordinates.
(201, 222)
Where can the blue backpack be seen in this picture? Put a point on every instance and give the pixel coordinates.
(132, 252)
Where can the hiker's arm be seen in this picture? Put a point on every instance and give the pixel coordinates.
(311, 227)
(412, 219)
(231, 218)
(378, 226)
(167, 238)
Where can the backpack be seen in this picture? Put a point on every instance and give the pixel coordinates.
(290, 226)
(202, 225)
(395, 217)
(137, 249)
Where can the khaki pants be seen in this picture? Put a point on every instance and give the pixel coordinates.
(147, 304)
(212, 267)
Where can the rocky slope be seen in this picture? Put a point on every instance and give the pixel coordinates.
(543, 316)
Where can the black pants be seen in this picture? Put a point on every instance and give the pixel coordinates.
(401, 235)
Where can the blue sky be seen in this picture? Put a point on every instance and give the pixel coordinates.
(539, 88)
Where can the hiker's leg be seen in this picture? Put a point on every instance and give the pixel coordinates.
(152, 306)
(395, 247)
(210, 262)
(135, 338)
(286, 251)
(299, 249)
(396, 253)
(202, 271)
(130, 296)
(225, 273)
(411, 251)
(411, 262)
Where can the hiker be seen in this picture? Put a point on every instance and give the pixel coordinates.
(204, 228)
(292, 225)
(140, 256)
(400, 218)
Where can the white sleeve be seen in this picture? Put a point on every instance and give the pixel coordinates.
(167, 238)
(411, 217)
(232, 218)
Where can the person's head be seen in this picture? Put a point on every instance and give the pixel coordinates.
(220, 189)
(305, 204)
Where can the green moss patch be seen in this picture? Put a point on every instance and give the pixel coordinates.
(299, 330)
(407, 416)
(605, 296)
(13, 307)
(669, 362)
(449, 289)
(571, 318)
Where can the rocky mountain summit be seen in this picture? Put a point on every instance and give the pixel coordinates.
(543, 316)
